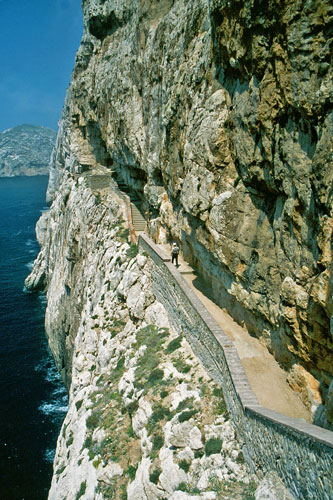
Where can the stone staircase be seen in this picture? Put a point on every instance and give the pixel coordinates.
(138, 220)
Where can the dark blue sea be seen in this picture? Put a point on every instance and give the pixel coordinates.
(32, 398)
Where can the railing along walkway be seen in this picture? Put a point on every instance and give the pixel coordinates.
(301, 453)
(267, 379)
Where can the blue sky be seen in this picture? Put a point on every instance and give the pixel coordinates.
(38, 42)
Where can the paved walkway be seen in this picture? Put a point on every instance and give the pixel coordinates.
(266, 377)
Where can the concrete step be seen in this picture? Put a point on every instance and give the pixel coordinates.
(138, 220)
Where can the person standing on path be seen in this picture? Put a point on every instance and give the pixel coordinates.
(175, 253)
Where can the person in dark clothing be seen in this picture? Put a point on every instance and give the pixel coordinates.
(175, 253)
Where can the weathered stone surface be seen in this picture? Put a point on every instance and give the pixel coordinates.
(112, 441)
(216, 114)
(171, 475)
(271, 488)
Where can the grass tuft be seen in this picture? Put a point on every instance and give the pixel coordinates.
(213, 445)
(186, 415)
(154, 475)
(174, 344)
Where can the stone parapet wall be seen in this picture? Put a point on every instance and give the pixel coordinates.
(301, 453)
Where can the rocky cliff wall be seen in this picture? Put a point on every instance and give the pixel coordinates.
(218, 114)
(145, 421)
(302, 451)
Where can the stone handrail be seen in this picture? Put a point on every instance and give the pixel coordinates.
(299, 452)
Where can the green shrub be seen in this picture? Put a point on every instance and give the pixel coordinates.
(186, 403)
(240, 458)
(82, 490)
(182, 486)
(181, 365)
(174, 344)
(198, 453)
(64, 429)
(132, 251)
(60, 470)
(186, 415)
(220, 406)
(158, 442)
(78, 404)
(120, 365)
(69, 440)
(155, 376)
(130, 431)
(131, 471)
(115, 396)
(87, 442)
(204, 389)
(132, 407)
(123, 492)
(154, 475)
(153, 338)
(163, 394)
(93, 420)
(159, 414)
(184, 465)
(147, 364)
(213, 445)
(123, 234)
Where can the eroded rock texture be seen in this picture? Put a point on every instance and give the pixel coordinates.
(218, 114)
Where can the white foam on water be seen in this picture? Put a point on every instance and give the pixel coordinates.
(59, 391)
(52, 374)
(42, 365)
(42, 299)
(30, 265)
(53, 409)
(49, 455)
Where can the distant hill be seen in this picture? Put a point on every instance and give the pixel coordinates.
(26, 150)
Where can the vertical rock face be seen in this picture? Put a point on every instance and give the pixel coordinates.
(141, 407)
(218, 114)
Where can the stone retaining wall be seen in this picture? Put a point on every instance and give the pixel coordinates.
(299, 452)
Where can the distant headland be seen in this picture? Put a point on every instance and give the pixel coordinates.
(25, 150)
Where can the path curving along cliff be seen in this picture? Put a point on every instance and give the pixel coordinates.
(113, 319)
(145, 419)
(303, 452)
(218, 115)
(267, 379)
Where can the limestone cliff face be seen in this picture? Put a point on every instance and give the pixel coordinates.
(141, 407)
(218, 114)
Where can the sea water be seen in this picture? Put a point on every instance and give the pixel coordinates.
(33, 399)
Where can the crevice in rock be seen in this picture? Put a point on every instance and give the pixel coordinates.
(102, 26)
